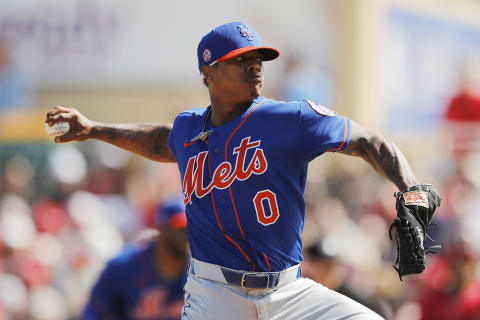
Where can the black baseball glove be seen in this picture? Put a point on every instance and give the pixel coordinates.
(415, 208)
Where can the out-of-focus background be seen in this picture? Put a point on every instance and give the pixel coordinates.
(409, 69)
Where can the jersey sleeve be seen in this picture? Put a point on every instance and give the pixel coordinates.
(102, 303)
(182, 124)
(321, 130)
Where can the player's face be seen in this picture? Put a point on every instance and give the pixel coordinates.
(177, 242)
(240, 78)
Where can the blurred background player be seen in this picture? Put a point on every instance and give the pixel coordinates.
(323, 265)
(145, 281)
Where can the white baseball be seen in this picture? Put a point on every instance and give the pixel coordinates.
(58, 129)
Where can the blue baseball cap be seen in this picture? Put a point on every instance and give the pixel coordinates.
(228, 41)
(171, 213)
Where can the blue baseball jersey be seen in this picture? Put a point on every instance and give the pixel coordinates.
(130, 288)
(244, 184)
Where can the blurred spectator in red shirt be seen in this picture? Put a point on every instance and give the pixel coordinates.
(465, 106)
(463, 114)
(448, 289)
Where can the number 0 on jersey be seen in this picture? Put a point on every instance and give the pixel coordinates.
(266, 197)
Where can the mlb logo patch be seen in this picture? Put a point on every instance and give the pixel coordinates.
(324, 111)
(207, 55)
(416, 198)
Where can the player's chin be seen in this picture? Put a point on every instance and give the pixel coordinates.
(255, 87)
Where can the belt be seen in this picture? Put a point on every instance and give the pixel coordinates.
(244, 279)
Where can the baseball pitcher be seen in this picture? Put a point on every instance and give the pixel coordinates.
(243, 162)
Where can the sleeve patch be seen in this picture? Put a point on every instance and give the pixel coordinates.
(322, 110)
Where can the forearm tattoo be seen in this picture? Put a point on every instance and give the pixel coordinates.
(388, 160)
(385, 158)
(148, 140)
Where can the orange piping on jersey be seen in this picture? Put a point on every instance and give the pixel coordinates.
(344, 137)
(236, 214)
(268, 263)
(188, 144)
(226, 159)
(220, 226)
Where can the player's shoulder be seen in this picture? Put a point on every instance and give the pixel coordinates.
(131, 255)
(281, 103)
(189, 118)
(299, 110)
(279, 106)
(318, 108)
(273, 106)
(294, 108)
(192, 113)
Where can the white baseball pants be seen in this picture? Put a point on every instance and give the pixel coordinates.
(300, 299)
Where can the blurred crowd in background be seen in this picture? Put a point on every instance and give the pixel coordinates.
(65, 210)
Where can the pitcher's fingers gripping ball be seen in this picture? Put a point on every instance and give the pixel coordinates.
(415, 208)
(67, 124)
(57, 129)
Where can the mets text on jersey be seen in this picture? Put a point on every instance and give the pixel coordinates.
(223, 175)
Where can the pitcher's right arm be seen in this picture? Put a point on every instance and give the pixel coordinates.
(146, 139)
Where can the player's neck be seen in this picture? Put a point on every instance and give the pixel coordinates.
(225, 111)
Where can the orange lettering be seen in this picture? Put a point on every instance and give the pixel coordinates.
(242, 151)
(220, 177)
(189, 180)
(223, 176)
